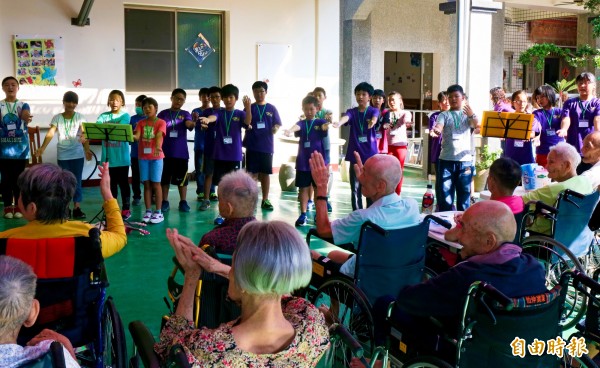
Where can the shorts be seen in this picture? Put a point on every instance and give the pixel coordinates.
(175, 171)
(304, 179)
(223, 168)
(208, 165)
(259, 162)
(150, 170)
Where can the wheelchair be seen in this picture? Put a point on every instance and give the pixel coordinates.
(54, 358)
(71, 289)
(387, 261)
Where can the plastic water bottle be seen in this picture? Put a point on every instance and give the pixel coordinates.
(428, 198)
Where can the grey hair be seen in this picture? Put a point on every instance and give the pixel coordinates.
(271, 259)
(17, 290)
(386, 168)
(567, 152)
(240, 189)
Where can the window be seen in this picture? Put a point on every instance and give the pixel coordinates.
(165, 49)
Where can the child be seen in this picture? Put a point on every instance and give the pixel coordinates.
(135, 169)
(259, 141)
(311, 131)
(150, 132)
(547, 122)
(395, 122)
(378, 102)
(69, 149)
(175, 148)
(14, 145)
(362, 138)
(228, 124)
(518, 149)
(323, 113)
(455, 165)
(209, 144)
(199, 134)
(435, 144)
(116, 153)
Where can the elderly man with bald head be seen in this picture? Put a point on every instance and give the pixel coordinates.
(486, 232)
(378, 178)
(590, 152)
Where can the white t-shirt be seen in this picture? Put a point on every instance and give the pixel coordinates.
(69, 146)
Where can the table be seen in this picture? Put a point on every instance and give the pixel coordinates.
(519, 191)
(436, 231)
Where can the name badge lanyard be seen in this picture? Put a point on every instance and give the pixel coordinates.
(457, 118)
(308, 128)
(363, 122)
(228, 122)
(583, 108)
(260, 114)
(14, 108)
(173, 120)
(549, 117)
(68, 126)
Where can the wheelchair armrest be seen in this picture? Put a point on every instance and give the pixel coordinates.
(313, 232)
(339, 330)
(439, 221)
(381, 231)
(581, 278)
(496, 295)
(569, 192)
(177, 357)
(58, 355)
(143, 339)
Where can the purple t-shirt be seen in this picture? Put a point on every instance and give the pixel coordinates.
(503, 106)
(362, 139)
(582, 114)
(311, 139)
(548, 124)
(209, 134)
(228, 137)
(260, 137)
(521, 150)
(175, 141)
(435, 147)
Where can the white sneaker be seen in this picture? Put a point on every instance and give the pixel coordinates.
(147, 216)
(157, 218)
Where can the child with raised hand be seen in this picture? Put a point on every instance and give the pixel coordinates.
(395, 122)
(14, 145)
(362, 138)
(311, 131)
(175, 167)
(208, 162)
(116, 153)
(150, 132)
(326, 114)
(228, 124)
(259, 141)
(69, 149)
(135, 168)
(199, 141)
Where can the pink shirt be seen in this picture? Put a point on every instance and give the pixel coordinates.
(515, 203)
(147, 143)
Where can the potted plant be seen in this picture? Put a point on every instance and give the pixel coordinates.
(563, 86)
(482, 165)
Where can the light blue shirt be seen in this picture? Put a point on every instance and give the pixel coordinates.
(389, 212)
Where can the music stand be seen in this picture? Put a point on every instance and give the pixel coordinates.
(107, 132)
(506, 125)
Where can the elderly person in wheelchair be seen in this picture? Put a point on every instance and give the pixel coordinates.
(378, 178)
(46, 191)
(270, 261)
(486, 232)
(19, 308)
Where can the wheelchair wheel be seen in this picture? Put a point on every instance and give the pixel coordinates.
(556, 259)
(114, 353)
(572, 362)
(347, 305)
(426, 362)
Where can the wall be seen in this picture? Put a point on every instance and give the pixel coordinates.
(95, 53)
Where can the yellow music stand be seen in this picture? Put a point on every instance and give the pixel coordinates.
(506, 125)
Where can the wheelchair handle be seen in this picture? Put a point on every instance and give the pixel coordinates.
(440, 221)
(339, 330)
(381, 231)
(569, 192)
(586, 281)
(496, 295)
(542, 206)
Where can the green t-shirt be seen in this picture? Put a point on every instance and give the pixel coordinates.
(117, 152)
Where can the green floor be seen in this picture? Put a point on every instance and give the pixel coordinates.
(138, 274)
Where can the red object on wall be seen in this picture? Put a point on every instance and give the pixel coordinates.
(562, 32)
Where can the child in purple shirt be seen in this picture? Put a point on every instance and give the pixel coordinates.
(362, 139)
(175, 165)
(547, 121)
(259, 141)
(311, 131)
(435, 144)
(520, 150)
(208, 162)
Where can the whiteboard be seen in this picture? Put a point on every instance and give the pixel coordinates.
(273, 67)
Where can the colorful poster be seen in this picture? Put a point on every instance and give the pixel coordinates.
(200, 50)
(35, 61)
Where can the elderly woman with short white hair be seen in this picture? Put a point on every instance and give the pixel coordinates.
(275, 330)
(18, 307)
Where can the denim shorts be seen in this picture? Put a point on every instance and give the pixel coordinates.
(151, 170)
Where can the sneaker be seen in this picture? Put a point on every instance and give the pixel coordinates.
(136, 201)
(329, 209)
(8, 212)
(183, 206)
(301, 220)
(126, 214)
(165, 206)
(310, 206)
(157, 218)
(147, 216)
(200, 197)
(219, 220)
(78, 213)
(266, 205)
(213, 197)
(17, 213)
(205, 205)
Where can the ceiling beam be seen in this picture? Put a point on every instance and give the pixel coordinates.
(83, 16)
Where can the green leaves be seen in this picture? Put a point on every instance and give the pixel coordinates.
(536, 54)
(486, 158)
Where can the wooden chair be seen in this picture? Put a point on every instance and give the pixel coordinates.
(34, 144)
